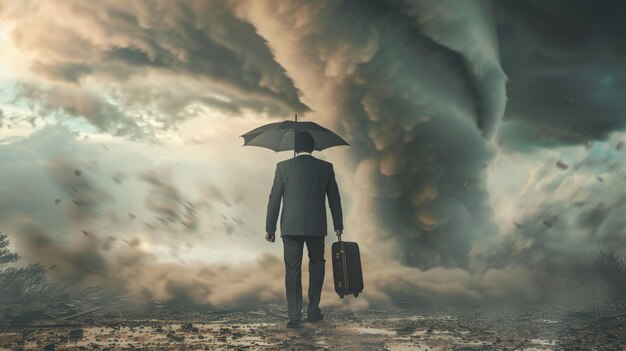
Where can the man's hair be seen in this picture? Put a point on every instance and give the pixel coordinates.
(304, 142)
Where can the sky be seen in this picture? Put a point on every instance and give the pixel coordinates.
(486, 140)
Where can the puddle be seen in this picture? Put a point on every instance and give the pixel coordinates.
(418, 318)
(375, 331)
(547, 321)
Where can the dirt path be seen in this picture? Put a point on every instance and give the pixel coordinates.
(410, 329)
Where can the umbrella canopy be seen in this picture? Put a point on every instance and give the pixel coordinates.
(280, 136)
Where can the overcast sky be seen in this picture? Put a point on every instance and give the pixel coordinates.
(486, 137)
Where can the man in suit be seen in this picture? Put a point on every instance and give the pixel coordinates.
(302, 183)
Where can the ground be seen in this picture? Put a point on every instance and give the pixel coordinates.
(122, 325)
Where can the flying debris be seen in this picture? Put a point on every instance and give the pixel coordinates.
(518, 225)
(85, 233)
(550, 221)
(118, 178)
(77, 172)
(131, 215)
(561, 165)
(134, 242)
(600, 179)
(76, 203)
(57, 201)
(226, 218)
(619, 145)
(237, 220)
(107, 149)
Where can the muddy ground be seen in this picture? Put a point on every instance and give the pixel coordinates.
(114, 325)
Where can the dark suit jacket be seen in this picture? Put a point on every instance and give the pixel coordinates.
(303, 183)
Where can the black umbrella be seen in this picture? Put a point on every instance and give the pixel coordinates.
(280, 136)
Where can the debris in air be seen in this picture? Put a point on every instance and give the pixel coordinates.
(561, 165)
(550, 221)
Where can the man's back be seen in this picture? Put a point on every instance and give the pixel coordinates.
(303, 183)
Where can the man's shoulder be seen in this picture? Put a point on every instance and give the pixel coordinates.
(317, 160)
(326, 163)
(281, 165)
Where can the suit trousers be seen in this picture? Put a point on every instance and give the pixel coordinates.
(293, 245)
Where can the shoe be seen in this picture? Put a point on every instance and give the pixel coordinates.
(293, 324)
(315, 318)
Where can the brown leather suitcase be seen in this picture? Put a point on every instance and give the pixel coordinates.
(347, 271)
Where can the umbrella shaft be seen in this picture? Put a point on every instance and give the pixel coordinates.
(294, 138)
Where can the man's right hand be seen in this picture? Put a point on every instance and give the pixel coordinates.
(339, 232)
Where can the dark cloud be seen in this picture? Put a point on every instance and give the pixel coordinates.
(79, 102)
(65, 72)
(564, 60)
(165, 57)
(417, 89)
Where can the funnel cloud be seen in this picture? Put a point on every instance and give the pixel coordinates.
(486, 141)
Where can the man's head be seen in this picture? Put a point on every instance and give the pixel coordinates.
(304, 142)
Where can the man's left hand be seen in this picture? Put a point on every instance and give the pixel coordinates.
(270, 237)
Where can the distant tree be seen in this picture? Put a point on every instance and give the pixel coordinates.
(27, 281)
(6, 256)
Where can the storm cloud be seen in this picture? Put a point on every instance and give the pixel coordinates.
(485, 140)
(564, 60)
(130, 270)
(418, 96)
(125, 51)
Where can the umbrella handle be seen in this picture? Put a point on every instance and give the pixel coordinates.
(294, 138)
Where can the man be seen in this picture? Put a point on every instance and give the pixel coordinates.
(302, 183)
